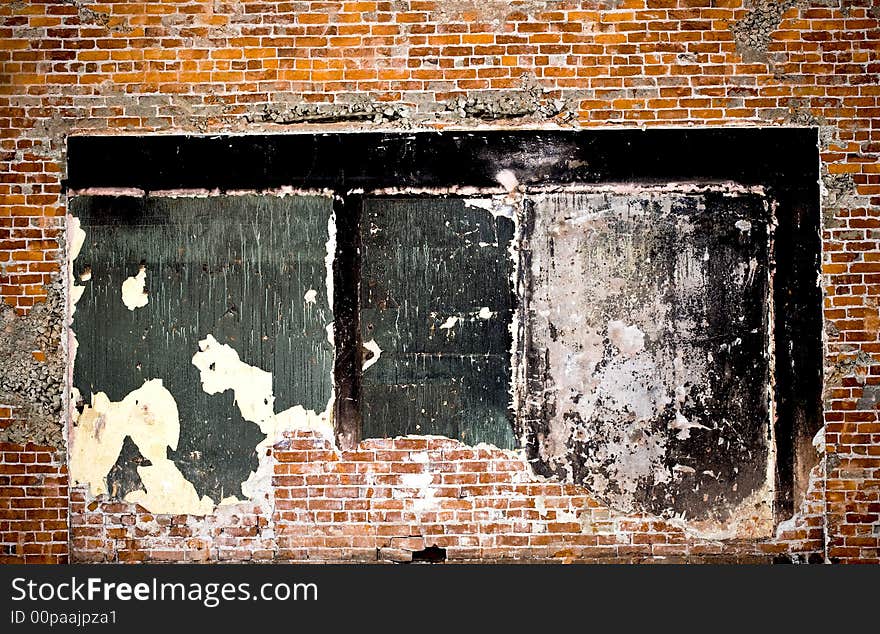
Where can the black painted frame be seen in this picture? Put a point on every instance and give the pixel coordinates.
(784, 160)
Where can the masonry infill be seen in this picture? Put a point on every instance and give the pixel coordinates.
(637, 310)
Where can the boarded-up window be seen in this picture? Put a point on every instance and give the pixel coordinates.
(164, 279)
(436, 304)
(650, 353)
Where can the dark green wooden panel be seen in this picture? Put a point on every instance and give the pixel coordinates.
(425, 260)
(235, 267)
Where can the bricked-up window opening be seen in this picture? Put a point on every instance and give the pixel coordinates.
(725, 190)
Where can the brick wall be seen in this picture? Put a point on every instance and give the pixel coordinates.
(33, 505)
(76, 66)
(389, 499)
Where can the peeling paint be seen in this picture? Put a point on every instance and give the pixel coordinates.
(684, 426)
(221, 369)
(76, 239)
(210, 281)
(149, 417)
(134, 294)
(449, 323)
(625, 363)
(376, 352)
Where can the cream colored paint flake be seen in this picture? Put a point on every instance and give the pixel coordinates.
(133, 293)
(76, 235)
(221, 369)
(148, 415)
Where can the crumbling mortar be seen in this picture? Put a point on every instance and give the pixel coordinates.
(361, 111)
(34, 387)
(497, 12)
(838, 192)
(856, 366)
(530, 102)
(752, 34)
(96, 18)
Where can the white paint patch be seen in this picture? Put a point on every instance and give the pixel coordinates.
(420, 457)
(311, 296)
(819, 441)
(498, 206)
(424, 499)
(449, 323)
(133, 293)
(221, 369)
(148, 415)
(485, 313)
(508, 180)
(373, 347)
(743, 225)
(684, 426)
(541, 505)
(628, 339)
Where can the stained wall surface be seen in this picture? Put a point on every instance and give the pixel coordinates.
(650, 337)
